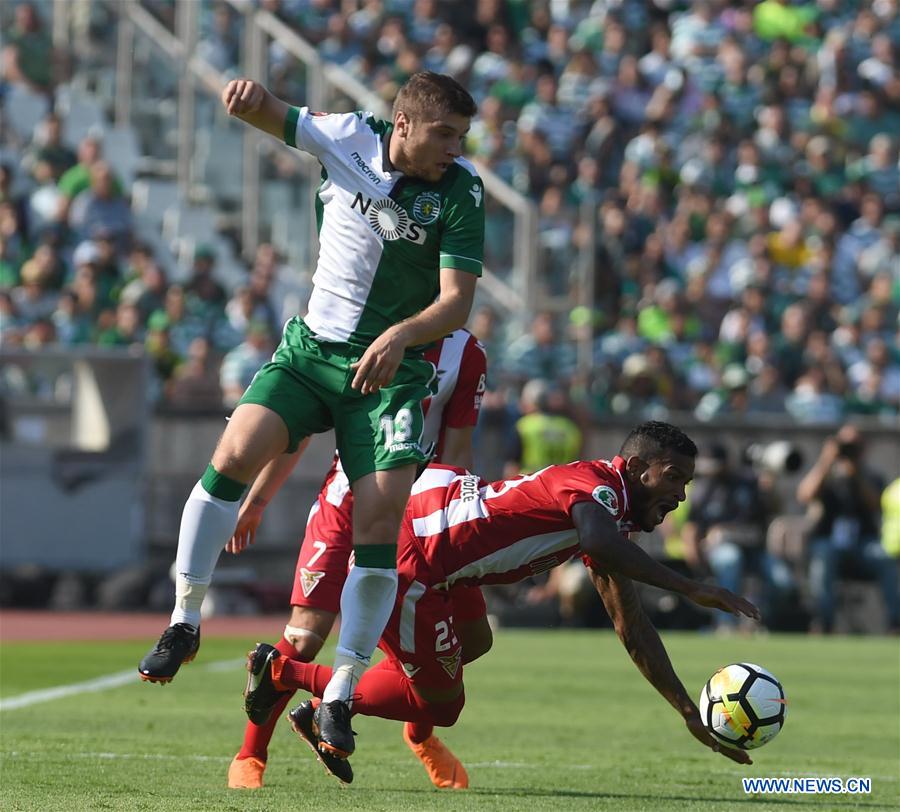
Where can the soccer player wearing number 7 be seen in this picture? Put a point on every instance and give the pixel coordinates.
(401, 230)
(450, 418)
(460, 531)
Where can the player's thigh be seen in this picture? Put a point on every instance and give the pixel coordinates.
(324, 555)
(298, 387)
(253, 435)
(471, 622)
(382, 431)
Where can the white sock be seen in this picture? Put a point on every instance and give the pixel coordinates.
(207, 523)
(366, 605)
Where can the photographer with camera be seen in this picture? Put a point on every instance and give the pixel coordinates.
(726, 528)
(844, 497)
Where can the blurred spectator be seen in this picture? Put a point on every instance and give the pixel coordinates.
(77, 179)
(550, 118)
(242, 363)
(638, 393)
(48, 157)
(34, 299)
(484, 324)
(145, 284)
(843, 498)
(726, 526)
(541, 353)
(182, 324)
(164, 360)
(890, 519)
(73, 324)
(545, 434)
(101, 208)
(10, 322)
(207, 296)
(195, 386)
(28, 52)
(219, 46)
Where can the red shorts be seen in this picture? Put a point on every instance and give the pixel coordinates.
(324, 555)
(420, 634)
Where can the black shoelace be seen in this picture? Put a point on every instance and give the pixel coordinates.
(171, 636)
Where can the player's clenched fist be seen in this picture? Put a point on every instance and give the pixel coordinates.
(242, 96)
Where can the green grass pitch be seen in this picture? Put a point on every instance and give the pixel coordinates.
(553, 720)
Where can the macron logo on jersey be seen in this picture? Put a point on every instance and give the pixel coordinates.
(366, 169)
(475, 191)
(388, 219)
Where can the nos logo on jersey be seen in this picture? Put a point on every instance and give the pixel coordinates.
(427, 207)
(607, 497)
(388, 219)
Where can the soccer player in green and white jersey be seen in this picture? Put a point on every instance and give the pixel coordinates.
(401, 232)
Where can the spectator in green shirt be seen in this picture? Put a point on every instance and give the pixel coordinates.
(76, 180)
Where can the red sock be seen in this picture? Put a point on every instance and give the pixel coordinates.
(257, 737)
(293, 675)
(419, 732)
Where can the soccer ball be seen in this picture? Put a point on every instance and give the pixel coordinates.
(743, 705)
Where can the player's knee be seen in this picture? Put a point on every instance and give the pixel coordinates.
(445, 714)
(477, 645)
(253, 437)
(380, 529)
(307, 631)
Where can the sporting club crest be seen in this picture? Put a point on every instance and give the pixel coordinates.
(607, 497)
(427, 207)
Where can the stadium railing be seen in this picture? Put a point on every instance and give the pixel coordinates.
(169, 93)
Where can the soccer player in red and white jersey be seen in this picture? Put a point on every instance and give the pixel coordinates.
(450, 418)
(461, 531)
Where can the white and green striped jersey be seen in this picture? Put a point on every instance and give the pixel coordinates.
(383, 236)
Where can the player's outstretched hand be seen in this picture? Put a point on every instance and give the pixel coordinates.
(714, 597)
(242, 96)
(245, 533)
(698, 731)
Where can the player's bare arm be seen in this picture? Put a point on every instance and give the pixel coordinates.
(457, 448)
(612, 552)
(264, 488)
(251, 102)
(644, 646)
(380, 361)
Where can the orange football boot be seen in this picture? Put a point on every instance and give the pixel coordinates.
(246, 773)
(444, 769)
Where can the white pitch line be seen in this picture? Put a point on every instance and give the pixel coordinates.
(141, 756)
(482, 765)
(92, 686)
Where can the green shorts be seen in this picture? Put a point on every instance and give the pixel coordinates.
(307, 384)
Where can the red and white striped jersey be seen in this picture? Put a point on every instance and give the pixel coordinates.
(459, 529)
(461, 369)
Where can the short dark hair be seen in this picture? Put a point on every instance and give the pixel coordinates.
(653, 439)
(427, 95)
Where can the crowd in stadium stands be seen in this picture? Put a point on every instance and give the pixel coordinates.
(741, 160)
